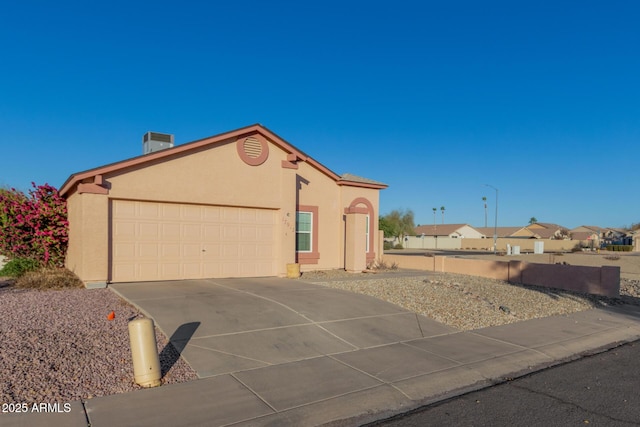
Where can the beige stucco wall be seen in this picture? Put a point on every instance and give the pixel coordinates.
(603, 280)
(526, 245)
(215, 175)
(430, 242)
(88, 250)
(316, 189)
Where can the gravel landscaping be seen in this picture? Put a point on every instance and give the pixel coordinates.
(59, 346)
(470, 302)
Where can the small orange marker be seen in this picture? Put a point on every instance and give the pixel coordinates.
(111, 315)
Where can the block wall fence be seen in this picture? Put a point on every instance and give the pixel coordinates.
(604, 281)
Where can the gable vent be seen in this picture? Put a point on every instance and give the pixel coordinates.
(252, 147)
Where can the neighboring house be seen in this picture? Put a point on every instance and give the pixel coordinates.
(540, 230)
(589, 234)
(448, 230)
(239, 204)
(501, 231)
(600, 235)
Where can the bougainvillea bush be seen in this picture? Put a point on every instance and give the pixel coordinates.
(34, 225)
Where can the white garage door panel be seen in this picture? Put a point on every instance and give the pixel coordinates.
(166, 241)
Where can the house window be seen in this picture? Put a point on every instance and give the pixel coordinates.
(304, 231)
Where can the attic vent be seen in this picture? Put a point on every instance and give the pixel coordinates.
(253, 150)
(252, 147)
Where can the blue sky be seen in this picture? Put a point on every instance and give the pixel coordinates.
(539, 99)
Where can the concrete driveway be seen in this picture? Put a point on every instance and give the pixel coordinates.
(231, 325)
(287, 352)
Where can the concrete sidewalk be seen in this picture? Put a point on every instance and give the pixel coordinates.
(277, 352)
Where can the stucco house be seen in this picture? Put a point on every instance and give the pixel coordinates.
(590, 235)
(243, 203)
(448, 230)
(502, 232)
(540, 230)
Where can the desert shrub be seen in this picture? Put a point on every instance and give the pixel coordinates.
(612, 257)
(18, 267)
(378, 264)
(381, 265)
(398, 246)
(387, 246)
(34, 226)
(49, 278)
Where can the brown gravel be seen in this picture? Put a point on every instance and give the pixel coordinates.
(58, 346)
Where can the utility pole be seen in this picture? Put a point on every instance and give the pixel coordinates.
(484, 199)
(495, 226)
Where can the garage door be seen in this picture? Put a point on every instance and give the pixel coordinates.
(168, 241)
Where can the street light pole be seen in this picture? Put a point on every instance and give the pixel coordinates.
(495, 226)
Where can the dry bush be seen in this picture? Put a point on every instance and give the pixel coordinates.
(49, 278)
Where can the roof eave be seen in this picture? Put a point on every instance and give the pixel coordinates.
(74, 179)
(362, 184)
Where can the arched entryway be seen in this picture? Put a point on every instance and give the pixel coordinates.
(359, 234)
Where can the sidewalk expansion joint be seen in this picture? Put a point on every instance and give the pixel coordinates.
(255, 393)
(371, 376)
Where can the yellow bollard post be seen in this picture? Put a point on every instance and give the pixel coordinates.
(144, 352)
(293, 271)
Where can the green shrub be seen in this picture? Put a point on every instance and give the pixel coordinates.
(398, 246)
(17, 267)
(387, 246)
(620, 248)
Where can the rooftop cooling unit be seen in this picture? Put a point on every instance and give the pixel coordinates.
(154, 141)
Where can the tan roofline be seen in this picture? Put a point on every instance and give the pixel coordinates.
(70, 183)
(361, 184)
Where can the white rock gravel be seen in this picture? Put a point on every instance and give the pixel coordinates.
(57, 346)
(470, 302)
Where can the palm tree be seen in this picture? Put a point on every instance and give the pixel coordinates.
(442, 210)
(484, 199)
(434, 217)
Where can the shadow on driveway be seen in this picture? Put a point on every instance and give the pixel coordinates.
(171, 352)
